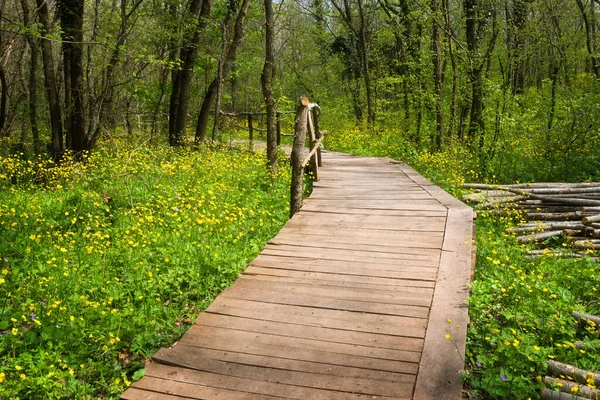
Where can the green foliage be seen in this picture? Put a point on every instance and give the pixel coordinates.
(104, 261)
(521, 315)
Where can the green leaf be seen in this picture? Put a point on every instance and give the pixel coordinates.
(139, 374)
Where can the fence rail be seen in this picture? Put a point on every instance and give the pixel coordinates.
(307, 120)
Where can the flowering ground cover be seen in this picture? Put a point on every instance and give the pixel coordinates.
(520, 309)
(106, 260)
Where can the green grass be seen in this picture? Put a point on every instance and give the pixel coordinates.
(105, 261)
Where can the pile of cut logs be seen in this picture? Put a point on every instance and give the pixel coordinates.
(568, 382)
(550, 209)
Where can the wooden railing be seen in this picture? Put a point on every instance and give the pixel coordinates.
(307, 118)
(252, 116)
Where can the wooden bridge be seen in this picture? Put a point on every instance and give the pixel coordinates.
(361, 295)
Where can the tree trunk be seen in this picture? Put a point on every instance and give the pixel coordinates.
(297, 155)
(589, 22)
(365, 65)
(71, 19)
(230, 51)
(4, 88)
(50, 85)
(182, 79)
(437, 76)
(32, 81)
(266, 79)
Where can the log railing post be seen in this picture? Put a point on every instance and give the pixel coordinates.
(316, 110)
(250, 132)
(296, 156)
(278, 127)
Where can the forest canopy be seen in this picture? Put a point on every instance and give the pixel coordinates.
(515, 81)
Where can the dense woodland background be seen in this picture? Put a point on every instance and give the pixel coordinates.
(507, 77)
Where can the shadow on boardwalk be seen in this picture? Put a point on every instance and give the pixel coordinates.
(352, 299)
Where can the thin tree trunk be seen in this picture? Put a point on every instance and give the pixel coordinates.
(297, 156)
(4, 87)
(71, 18)
(32, 81)
(453, 65)
(50, 84)
(365, 65)
(218, 101)
(266, 79)
(589, 39)
(437, 75)
(229, 60)
(182, 79)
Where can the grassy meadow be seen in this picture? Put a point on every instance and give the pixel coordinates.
(106, 260)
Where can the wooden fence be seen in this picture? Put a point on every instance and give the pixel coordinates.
(307, 119)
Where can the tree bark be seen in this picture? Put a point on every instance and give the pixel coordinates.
(296, 157)
(266, 79)
(32, 80)
(362, 33)
(182, 79)
(589, 22)
(4, 87)
(71, 19)
(50, 85)
(230, 51)
(437, 76)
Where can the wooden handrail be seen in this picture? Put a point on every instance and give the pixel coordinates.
(314, 147)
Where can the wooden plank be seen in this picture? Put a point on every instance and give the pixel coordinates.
(321, 253)
(430, 204)
(366, 282)
(426, 248)
(261, 345)
(404, 223)
(407, 296)
(290, 377)
(243, 385)
(165, 389)
(424, 243)
(443, 359)
(290, 347)
(308, 300)
(197, 355)
(133, 393)
(302, 331)
(343, 268)
(307, 207)
(295, 239)
(318, 317)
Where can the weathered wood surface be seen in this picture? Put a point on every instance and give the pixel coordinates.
(350, 300)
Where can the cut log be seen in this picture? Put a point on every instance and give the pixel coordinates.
(592, 232)
(548, 394)
(573, 232)
(572, 388)
(591, 218)
(587, 319)
(565, 216)
(538, 236)
(591, 244)
(569, 371)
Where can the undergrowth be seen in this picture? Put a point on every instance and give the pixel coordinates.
(104, 261)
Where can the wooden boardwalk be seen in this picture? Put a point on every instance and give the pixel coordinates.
(351, 300)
